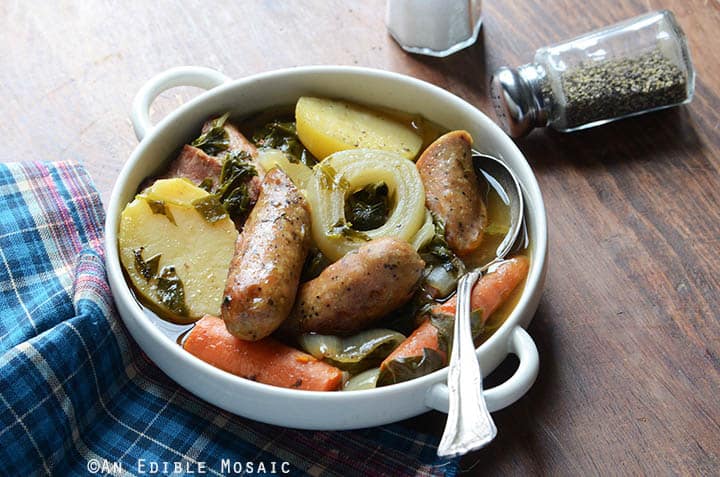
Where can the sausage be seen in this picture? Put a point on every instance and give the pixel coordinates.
(193, 164)
(361, 287)
(269, 255)
(452, 191)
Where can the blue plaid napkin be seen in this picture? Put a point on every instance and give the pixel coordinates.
(78, 397)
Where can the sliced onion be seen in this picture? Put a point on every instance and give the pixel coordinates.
(441, 280)
(352, 353)
(345, 172)
(425, 234)
(365, 380)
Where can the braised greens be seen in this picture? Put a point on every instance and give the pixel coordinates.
(328, 177)
(315, 263)
(233, 191)
(282, 135)
(355, 353)
(146, 268)
(207, 184)
(405, 369)
(442, 267)
(445, 323)
(216, 139)
(210, 208)
(369, 207)
(344, 229)
(158, 207)
(171, 291)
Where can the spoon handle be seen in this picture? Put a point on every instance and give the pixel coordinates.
(469, 425)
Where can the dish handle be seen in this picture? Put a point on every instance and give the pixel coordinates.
(501, 396)
(198, 76)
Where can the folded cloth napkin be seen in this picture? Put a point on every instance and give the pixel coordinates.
(78, 397)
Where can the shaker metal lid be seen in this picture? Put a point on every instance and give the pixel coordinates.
(513, 100)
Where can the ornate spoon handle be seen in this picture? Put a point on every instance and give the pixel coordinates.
(469, 425)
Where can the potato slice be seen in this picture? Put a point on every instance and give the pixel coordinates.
(179, 191)
(326, 126)
(177, 260)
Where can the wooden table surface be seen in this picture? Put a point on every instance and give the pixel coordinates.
(628, 329)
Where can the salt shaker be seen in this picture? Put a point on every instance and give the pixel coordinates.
(640, 65)
(433, 27)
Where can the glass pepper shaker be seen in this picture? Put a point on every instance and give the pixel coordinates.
(636, 66)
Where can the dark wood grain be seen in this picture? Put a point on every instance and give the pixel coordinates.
(628, 329)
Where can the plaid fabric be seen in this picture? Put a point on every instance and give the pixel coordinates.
(78, 397)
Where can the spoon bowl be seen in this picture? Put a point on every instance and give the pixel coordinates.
(469, 425)
(497, 173)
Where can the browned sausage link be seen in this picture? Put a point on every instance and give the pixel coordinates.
(357, 289)
(452, 190)
(269, 255)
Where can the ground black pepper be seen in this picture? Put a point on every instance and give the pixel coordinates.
(617, 87)
(639, 65)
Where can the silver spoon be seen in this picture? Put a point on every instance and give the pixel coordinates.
(469, 424)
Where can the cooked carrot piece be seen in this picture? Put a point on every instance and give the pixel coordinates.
(488, 294)
(266, 361)
(424, 336)
(493, 289)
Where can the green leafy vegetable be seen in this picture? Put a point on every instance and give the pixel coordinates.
(158, 207)
(207, 184)
(282, 135)
(233, 192)
(171, 291)
(355, 353)
(329, 178)
(445, 323)
(344, 229)
(368, 208)
(437, 253)
(405, 318)
(315, 263)
(146, 268)
(438, 249)
(216, 139)
(210, 208)
(405, 369)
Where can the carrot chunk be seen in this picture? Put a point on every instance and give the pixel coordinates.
(266, 361)
(424, 336)
(491, 291)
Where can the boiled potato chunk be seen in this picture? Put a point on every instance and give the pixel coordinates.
(326, 126)
(176, 260)
(177, 191)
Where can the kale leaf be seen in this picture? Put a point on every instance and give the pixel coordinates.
(216, 139)
(368, 208)
(405, 369)
(282, 135)
(233, 191)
